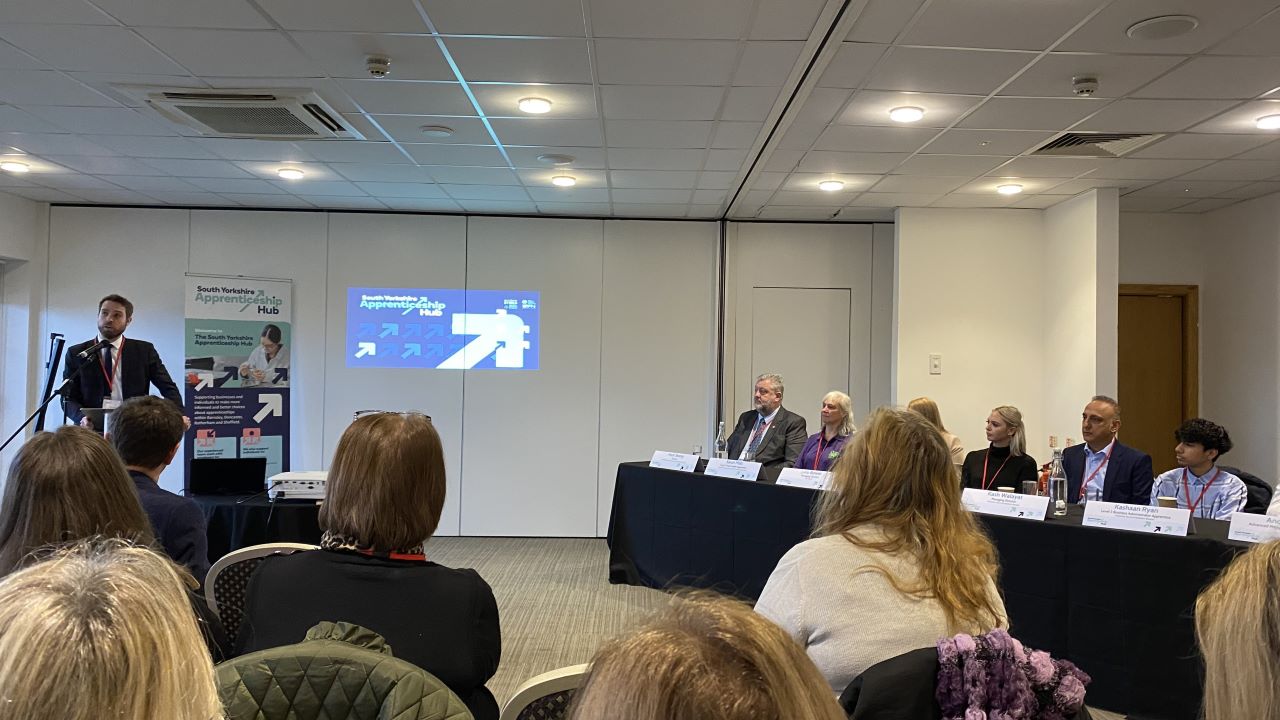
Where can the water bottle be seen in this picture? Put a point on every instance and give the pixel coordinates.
(1058, 485)
(722, 445)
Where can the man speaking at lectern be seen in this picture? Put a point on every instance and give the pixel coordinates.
(770, 434)
(114, 370)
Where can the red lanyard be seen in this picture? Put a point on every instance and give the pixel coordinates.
(110, 376)
(1085, 485)
(817, 457)
(985, 484)
(1186, 490)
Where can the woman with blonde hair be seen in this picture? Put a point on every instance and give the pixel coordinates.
(1005, 462)
(705, 657)
(823, 448)
(929, 409)
(1238, 626)
(895, 561)
(383, 500)
(102, 630)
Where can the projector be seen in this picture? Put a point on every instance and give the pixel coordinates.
(303, 485)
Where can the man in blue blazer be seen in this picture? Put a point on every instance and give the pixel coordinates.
(1101, 468)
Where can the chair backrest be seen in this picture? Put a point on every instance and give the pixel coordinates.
(900, 688)
(228, 579)
(546, 696)
(1260, 491)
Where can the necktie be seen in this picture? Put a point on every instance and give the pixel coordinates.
(756, 436)
(107, 362)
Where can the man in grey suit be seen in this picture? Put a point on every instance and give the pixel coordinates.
(770, 434)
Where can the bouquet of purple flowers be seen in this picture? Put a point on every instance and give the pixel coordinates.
(993, 677)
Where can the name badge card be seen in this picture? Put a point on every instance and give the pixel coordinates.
(994, 502)
(736, 469)
(1137, 518)
(1248, 527)
(684, 462)
(813, 479)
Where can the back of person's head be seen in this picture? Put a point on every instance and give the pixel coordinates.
(898, 481)
(386, 485)
(1238, 625)
(1013, 418)
(1205, 433)
(929, 409)
(65, 486)
(102, 630)
(145, 431)
(704, 658)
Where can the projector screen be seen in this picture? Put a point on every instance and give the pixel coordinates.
(447, 329)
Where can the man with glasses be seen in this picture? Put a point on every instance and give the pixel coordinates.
(1101, 468)
(770, 434)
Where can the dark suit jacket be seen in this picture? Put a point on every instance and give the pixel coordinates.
(1127, 476)
(780, 447)
(178, 524)
(141, 368)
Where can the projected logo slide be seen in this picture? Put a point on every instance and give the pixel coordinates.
(448, 329)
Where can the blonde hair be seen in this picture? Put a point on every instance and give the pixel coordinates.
(1013, 417)
(1238, 626)
(386, 486)
(845, 405)
(929, 409)
(102, 630)
(897, 477)
(705, 657)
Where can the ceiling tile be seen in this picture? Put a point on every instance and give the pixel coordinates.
(749, 103)
(550, 18)
(47, 87)
(823, 161)
(783, 212)
(363, 151)
(653, 195)
(766, 63)
(192, 198)
(115, 197)
(882, 20)
(90, 47)
(851, 64)
(583, 209)
(665, 62)
(104, 120)
(545, 60)
(262, 150)
(730, 134)
(783, 160)
(651, 179)
(410, 204)
(871, 107)
(248, 186)
(1035, 201)
(497, 193)
(920, 183)
(656, 159)
(314, 172)
(1118, 75)
(1142, 169)
(801, 198)
(204, 52)
(1242, 119)
(658, 133)
(1258, 38)
(329, 202)
(546, 131)
(669, 19)
(583, 157)
(1105, 32)
(40, 194)
(871, 199)
(710, 197)
(320, 187)
(473, 175)
(569, 195)
(732, 160)
(707, 212)
(662, 102)
(988, 185)
(650, 210)
(268, 201)
(197, 168)
(768, 181)
(1217, 77)
(341, 15)
(408, 128)
(785, 19)
(397, 97)
(535, 180)
(342, 55)
(1252, 190)
(466, 155)
(716, 180)
(230, 14)
(1075, 187)
(382, 173)
(152, 147)
(1151, 115)
(808, 183)
(76, 12)
(109, 165)
(986, 142)
(813, 117)
(74, 182)
(1031, 113)
(968, 72)
(567, 101)
(152, 185)
(1270, 151)
(970, 165)
(1051, 167)
(1206, 205)
(986, 24)
(14, 120)
(855, 138)
(1208, 146)
(423, 191)
(1188, 188)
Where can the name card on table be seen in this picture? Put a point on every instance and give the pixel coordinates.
(684, 462)
(1248, 527)
(813, 479)
(1137, 518)
(1006, 504)
(736, 469)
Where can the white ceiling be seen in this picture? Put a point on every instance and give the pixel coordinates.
(671, 108)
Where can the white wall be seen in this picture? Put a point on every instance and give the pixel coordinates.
(1162, 248)
(23, 229)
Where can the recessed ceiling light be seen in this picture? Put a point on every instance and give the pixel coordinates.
(1162, 27)
(436, 130)
(555, 159)
(535, 105)
(290, 173)
(14, 167)
(1269, 122)
(906, 114)
(564, 181)
(831, 185)
(1009, 189)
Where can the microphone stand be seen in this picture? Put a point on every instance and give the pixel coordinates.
(58, 391)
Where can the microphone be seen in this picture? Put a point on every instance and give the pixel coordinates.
(93, 349)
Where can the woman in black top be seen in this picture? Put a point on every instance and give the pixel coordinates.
(383, 500)
(1005, 462)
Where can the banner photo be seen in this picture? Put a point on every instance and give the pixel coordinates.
(238, 336)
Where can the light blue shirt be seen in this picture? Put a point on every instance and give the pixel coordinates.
(1096, 461)
(1226, 495)
(759, 419)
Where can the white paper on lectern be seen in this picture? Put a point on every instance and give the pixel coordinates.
(799, 477)
(995, 502)
(684, 462)
(1137, 518)
(1248, 527)
(736, 469)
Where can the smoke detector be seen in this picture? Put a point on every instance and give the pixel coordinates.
(1084, 86)
(378, 66)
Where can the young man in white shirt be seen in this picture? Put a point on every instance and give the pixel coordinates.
(1199, 484)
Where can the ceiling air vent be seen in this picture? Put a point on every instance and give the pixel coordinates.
(294, 114)
(1095, 144)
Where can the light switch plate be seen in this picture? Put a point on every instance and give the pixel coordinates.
(935, 364)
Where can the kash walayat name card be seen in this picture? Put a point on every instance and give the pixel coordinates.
(684, 462)
(1248, 527)
(994, 502)
(736, 469)
(798, 477)
(1137, 518)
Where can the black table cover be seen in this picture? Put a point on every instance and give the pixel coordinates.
(1118, 604)
(238, 522)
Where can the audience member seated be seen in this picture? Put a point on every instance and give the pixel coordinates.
(68, 486)
(102, 630)
(147, 432)
(895, 562)
(1198, 484)
(770, 434)
(823, 448)
(1103, 468)
(1005, 463)
(704, 658)
(1238, 626)
(384, 496)
(929, 409)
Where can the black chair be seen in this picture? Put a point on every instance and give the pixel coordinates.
(1260, 491)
